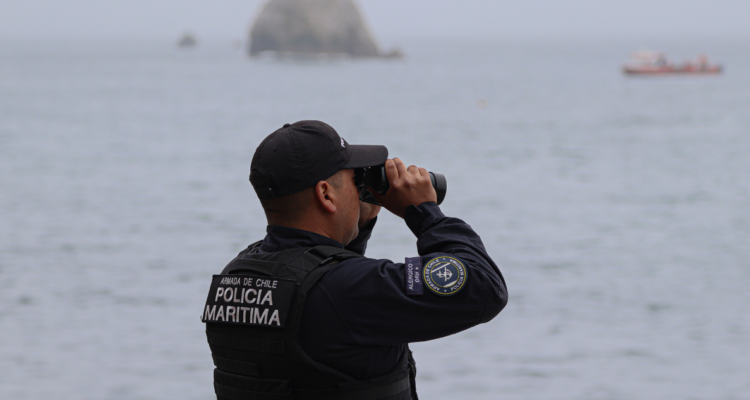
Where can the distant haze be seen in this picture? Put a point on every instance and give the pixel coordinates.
(389, 19)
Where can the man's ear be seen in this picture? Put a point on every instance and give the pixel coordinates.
(326, 196)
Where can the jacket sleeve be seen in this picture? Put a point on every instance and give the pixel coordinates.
(368, 298)
(359, 244)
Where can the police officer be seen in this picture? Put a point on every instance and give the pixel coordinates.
(304, 315)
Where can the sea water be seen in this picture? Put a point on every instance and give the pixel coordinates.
(617, 208)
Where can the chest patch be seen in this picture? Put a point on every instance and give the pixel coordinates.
(444, 276)
(249, 300)
(413, 279)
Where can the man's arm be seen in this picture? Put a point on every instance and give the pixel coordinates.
(377, 302)
(359, 244)
(369, 302)
(368, 216)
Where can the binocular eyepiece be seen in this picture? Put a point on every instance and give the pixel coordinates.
(375, 178)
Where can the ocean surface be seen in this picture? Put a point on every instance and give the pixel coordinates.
(617, 208)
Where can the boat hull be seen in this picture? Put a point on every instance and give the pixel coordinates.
(710, 70)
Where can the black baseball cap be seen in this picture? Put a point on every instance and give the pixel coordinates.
(299, 155)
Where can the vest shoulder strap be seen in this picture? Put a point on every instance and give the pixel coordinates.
(294, 263)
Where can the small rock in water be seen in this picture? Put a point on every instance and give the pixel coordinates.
(187, 41)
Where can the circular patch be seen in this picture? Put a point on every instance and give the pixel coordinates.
(444, 275)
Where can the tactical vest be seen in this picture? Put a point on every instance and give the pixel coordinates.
(252, 317)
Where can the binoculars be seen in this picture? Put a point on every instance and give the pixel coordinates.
(374, 178)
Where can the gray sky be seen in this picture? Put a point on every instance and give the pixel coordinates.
(389, 19)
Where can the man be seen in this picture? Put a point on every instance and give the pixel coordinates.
(303, 314)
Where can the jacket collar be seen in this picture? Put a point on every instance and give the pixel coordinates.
(280, 238)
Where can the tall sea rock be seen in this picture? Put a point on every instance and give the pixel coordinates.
(312, 27)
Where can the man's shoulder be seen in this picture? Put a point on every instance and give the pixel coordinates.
(306, 257)
(360, 272)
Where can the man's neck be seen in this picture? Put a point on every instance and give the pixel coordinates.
(313, 227)
(279, 238)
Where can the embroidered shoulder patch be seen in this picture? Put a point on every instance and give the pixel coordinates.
(444, 275)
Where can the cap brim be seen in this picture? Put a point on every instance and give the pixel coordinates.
(366, 155)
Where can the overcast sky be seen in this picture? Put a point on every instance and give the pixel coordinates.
(389, 19)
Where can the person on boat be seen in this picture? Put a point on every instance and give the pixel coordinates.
(303, 314)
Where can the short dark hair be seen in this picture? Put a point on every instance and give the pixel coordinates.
(290, 208)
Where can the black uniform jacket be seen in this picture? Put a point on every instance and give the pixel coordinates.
(359, 316)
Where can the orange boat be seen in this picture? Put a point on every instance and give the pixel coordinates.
(654, 63)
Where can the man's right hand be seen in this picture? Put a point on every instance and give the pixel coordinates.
(407, 186)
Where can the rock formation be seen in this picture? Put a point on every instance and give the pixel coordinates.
(187, 41)
(312, 27)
